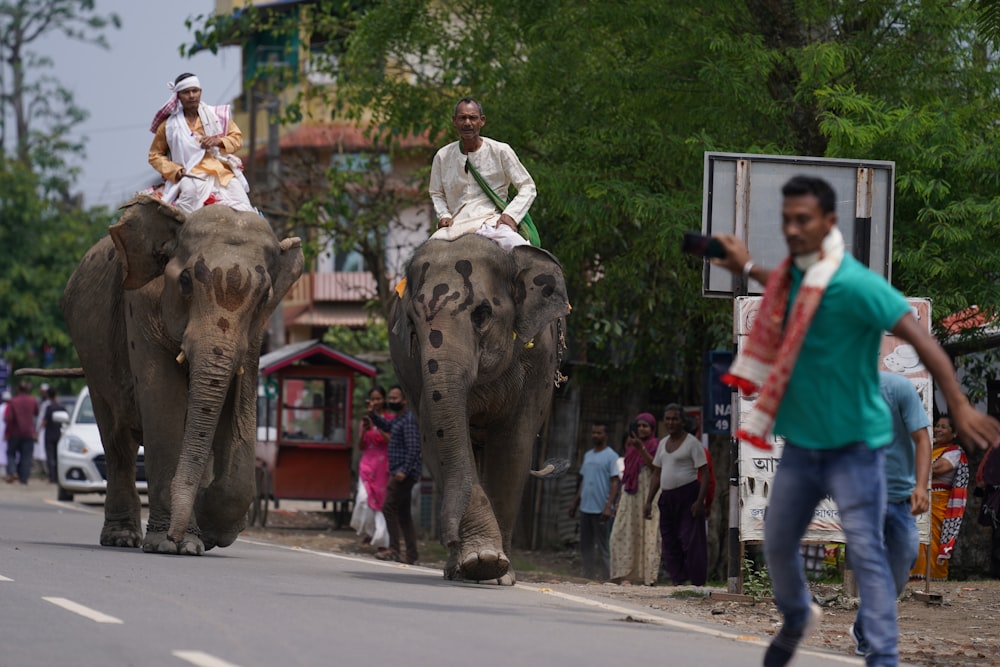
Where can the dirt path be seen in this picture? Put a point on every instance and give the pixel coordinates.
(962, 631)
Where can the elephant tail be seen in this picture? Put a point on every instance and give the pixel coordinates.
(552, 468)
(51, 372)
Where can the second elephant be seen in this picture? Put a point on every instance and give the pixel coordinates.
(476, 342)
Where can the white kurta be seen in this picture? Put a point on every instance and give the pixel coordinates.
(456, 194)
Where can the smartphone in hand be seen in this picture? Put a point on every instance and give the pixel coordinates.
(702, 246)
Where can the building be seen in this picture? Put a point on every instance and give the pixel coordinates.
(293, 167)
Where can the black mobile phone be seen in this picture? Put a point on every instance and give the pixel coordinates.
(702, 246)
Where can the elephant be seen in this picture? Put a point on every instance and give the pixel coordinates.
(167, 314)
(476, 341)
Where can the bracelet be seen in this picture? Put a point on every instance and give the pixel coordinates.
(747, 268)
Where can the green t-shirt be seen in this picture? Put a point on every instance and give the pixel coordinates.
(833, 397)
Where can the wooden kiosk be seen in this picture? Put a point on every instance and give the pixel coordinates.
(305, 438)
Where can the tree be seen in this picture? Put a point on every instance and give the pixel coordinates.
(43, 111)
(41, 242)
(612, 118)
(43, 230)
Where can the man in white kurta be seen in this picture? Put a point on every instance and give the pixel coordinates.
(460, 204)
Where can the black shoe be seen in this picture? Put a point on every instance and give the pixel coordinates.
(783, 646)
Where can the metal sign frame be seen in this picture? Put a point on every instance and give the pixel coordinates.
(742, 196)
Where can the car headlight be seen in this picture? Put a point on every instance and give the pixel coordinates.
(75, 444)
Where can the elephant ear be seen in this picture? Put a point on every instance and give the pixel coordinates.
(145, 237)
(400, 326)
(539, 290)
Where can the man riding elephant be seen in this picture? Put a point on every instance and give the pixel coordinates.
(194, 150)
(470, 180)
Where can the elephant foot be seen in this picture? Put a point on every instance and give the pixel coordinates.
(159, 543)
(481, 564)
(118, 535)
(508, 579)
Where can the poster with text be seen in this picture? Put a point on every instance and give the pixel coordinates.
(757, 466)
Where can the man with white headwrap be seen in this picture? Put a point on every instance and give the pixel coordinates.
(193, 149)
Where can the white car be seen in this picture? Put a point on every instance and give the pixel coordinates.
(80, 454)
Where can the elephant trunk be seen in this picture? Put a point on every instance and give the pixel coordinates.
(211, 375)
(444, 422)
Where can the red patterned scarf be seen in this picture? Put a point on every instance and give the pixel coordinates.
(767, 359)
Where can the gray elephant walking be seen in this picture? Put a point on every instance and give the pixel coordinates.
(476, 342)
(167, 314)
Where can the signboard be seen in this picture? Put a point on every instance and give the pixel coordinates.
(757, 466)
(742, 196)
(718, 409)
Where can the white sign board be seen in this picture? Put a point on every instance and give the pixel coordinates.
(757, 465)
(742, 196)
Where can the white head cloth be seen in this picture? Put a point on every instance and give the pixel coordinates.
(171, 104)
(190, 82)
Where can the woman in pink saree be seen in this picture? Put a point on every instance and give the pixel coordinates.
(373, 476)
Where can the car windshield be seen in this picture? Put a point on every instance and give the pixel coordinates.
(86, 413)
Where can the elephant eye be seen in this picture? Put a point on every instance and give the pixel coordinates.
(481, 314)
(264, 298)
(187, 287)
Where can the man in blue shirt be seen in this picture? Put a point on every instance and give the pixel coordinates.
(834, 421)
(907, 460)
(405, 466)
(595, 496)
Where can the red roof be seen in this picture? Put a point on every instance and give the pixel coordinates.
(337, 136)
(312, 352)
(963, 320)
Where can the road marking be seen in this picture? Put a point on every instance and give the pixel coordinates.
(69, 505)
(569, 597)
(3, 578)
(339, 556)
(681, 625)
(86, 612)
(202, 659)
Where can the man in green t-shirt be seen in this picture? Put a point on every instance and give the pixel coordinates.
(828, 408)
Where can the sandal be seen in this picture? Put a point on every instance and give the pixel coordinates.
(388, 554)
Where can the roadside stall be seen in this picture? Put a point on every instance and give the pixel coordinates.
(305, 439)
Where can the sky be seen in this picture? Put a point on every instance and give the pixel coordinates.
(122, 88)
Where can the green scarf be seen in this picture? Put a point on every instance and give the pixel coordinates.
(526, 227)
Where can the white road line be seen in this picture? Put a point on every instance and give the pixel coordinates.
(690, 627)
(69, 505)
(3, 578)
(202, 659)
(86, 612)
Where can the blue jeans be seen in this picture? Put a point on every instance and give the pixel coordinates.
(855, 477)
(902, 544)
(22, 449)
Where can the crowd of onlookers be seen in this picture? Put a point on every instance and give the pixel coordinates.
(648, 507)
(28, 432)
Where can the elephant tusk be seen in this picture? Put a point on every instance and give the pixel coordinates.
(544, 472)
(239, 371)
(515, 336)
(530, 344)
(181, 358)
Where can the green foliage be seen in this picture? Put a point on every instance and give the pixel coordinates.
(988, 20)
(370, 343)
(43, 230)
(756, 580)
(612, 117)
(40, 244)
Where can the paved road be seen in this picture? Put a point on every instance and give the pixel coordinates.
(64, 600)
